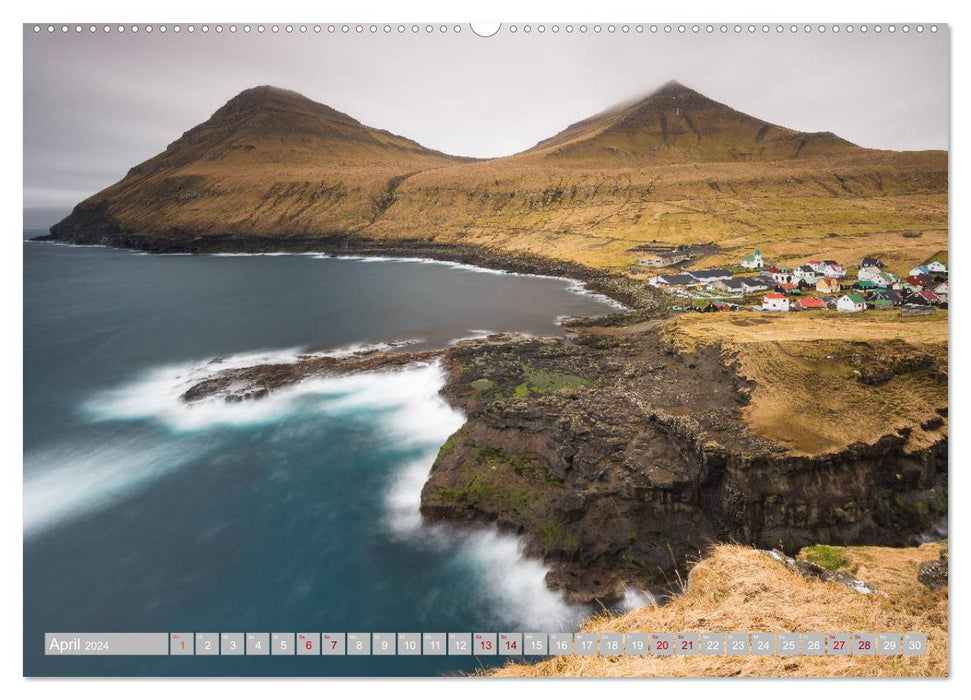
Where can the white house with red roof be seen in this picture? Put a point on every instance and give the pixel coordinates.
(781, 274)
(831, 268)
(775, 302)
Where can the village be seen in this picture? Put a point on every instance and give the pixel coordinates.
(757, 284)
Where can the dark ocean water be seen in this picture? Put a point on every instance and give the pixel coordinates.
(296, 513)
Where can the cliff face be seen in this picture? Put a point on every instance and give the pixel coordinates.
(620, 459)
(619, 456)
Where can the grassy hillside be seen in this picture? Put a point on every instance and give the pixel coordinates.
(738, 589)
(677, 124)
(673, 168)
(824, 380)
(841, 207)
(269, 162)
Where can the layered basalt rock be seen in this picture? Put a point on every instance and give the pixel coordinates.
(620, 459)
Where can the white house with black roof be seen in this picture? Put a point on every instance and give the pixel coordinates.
(735, 286)
(710, 276)
(677, 280)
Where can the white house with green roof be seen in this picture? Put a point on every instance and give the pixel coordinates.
(851, 302)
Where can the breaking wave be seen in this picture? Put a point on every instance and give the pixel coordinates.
(501, 574)
(66, 482)
(155, 395)
(408, 410)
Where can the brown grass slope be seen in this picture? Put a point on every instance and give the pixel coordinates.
(269, 162)
(677, 124)
(679, 168)
(825, 380)
(672, 168)
(737, 589)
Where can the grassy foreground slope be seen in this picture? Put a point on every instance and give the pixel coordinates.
(738, 589)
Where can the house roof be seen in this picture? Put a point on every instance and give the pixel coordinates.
(788, 286)
(815, 262)
(812, 303)
(919, 281)
(871, 262)
(855, 298)
(733, 284)
(775, 295)
(866, 284)
(829, 280)
(677, 279)
(709, 274)
(929, 295)
(831, 262)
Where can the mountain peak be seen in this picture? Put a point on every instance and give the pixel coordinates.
(678, 95)
(671, 86)
(264, 99)
(677, 124)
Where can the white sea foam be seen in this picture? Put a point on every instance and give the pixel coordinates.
(473, 334)
(499, 574)
(406, 399)
(634, 598)
(62, 483)
(410, 412)
(274, 254)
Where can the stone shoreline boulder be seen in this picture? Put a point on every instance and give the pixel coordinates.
(933, 574)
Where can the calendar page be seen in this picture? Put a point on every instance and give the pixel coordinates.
(521, 349)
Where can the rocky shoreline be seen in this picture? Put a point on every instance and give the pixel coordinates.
(619, 459)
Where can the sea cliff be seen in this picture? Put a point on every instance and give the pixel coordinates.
(619, 457)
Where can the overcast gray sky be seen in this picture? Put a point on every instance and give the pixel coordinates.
(96, 104)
